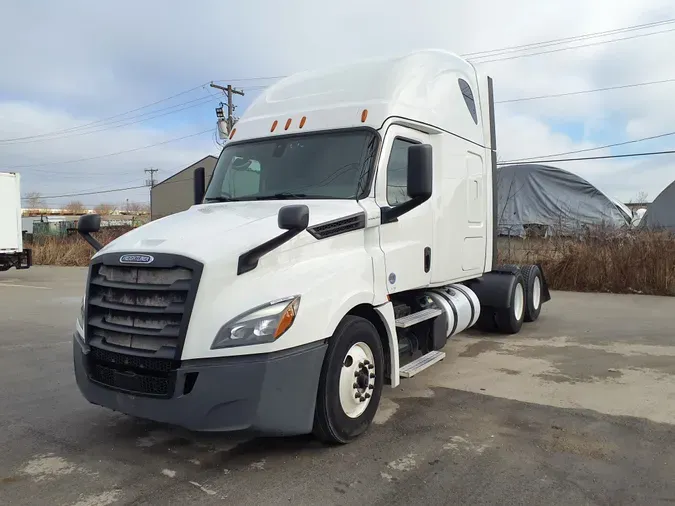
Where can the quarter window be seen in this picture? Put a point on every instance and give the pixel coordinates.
(468, 99)
(397, 172)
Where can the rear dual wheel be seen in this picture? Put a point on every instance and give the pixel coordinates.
(533, 280)
(510, 320)
(351, 382)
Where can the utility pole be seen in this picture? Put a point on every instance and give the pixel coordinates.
(230, 92)
(150, 182)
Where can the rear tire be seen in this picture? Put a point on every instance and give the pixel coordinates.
(351, 382)
(510, 320)
(533, 285)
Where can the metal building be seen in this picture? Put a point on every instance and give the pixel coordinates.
(176, 193)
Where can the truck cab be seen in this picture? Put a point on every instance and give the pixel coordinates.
(348, 231)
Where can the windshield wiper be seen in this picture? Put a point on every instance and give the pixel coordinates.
(280, 196)
(219, 199)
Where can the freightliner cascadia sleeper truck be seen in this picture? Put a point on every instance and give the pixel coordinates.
(347, 232)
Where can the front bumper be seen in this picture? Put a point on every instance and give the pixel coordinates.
(272, 394)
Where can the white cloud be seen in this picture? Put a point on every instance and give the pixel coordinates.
(78, 61)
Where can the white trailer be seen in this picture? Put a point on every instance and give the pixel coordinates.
(12, 252)
(347, 233)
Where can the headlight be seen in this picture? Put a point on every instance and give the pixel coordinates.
(263, 324)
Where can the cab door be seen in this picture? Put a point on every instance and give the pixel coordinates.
(406, 242)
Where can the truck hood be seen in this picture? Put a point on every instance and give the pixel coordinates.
(213, 231)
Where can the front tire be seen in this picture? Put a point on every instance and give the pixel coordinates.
(351, 382)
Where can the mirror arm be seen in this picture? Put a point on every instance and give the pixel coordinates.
(392, 213)
(249, 260)
(91, 240)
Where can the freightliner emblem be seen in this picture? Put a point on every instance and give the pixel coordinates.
(136, 259)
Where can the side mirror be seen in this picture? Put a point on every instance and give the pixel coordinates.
(294, 218)
(88, 224)
(199, 180)
(420, 171)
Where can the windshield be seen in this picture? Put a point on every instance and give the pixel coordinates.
(334, 165)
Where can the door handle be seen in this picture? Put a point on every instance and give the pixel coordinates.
(427, 259)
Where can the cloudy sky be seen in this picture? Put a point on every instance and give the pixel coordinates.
(77, 79)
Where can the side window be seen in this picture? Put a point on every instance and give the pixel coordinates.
(468, 99)
(397, 172)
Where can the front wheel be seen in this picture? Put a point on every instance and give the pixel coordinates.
(351, 382)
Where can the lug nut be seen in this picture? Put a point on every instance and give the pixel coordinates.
(367, 396)
(357, 395)
(371, 387)
(371, 366)
(356, 374)
(366, 362)
(372, 375)
(355, 385)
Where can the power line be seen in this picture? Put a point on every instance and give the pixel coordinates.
(109, 117)
(624, 143)
(581, 92)
(93, 192)
(605, 157)
(574, 38)
(129, 121)
(110, 154)
(103, 120)
(574, 47)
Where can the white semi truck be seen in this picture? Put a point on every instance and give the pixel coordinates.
(12, 252)
(347, 233)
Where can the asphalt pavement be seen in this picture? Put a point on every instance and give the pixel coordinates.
(576, 409)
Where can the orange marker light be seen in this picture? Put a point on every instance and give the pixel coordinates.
(234, 130)
(287, 318)
(364, 115)
(274, 126)
(288, 124)
(302, 121)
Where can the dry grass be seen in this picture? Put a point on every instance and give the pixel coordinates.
(72, 251)
(634, 262)
(627, 262)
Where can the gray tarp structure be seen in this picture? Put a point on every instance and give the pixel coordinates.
(550, 200)
(661, 213)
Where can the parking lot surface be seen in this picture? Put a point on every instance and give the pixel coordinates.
(576, 409)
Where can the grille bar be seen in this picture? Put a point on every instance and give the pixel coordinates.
(173, 308)
(166, 331)
(182, 285)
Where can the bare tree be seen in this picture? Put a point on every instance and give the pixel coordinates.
(640, 198)
(75, 207)
(34, 200)
(105, 209)
(137, 208)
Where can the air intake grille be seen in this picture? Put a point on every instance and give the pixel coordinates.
(137, 318)
(140, 308)
(339, 226)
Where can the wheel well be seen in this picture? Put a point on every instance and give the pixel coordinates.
(368, 312)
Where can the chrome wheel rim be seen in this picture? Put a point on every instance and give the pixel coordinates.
(357, 380)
